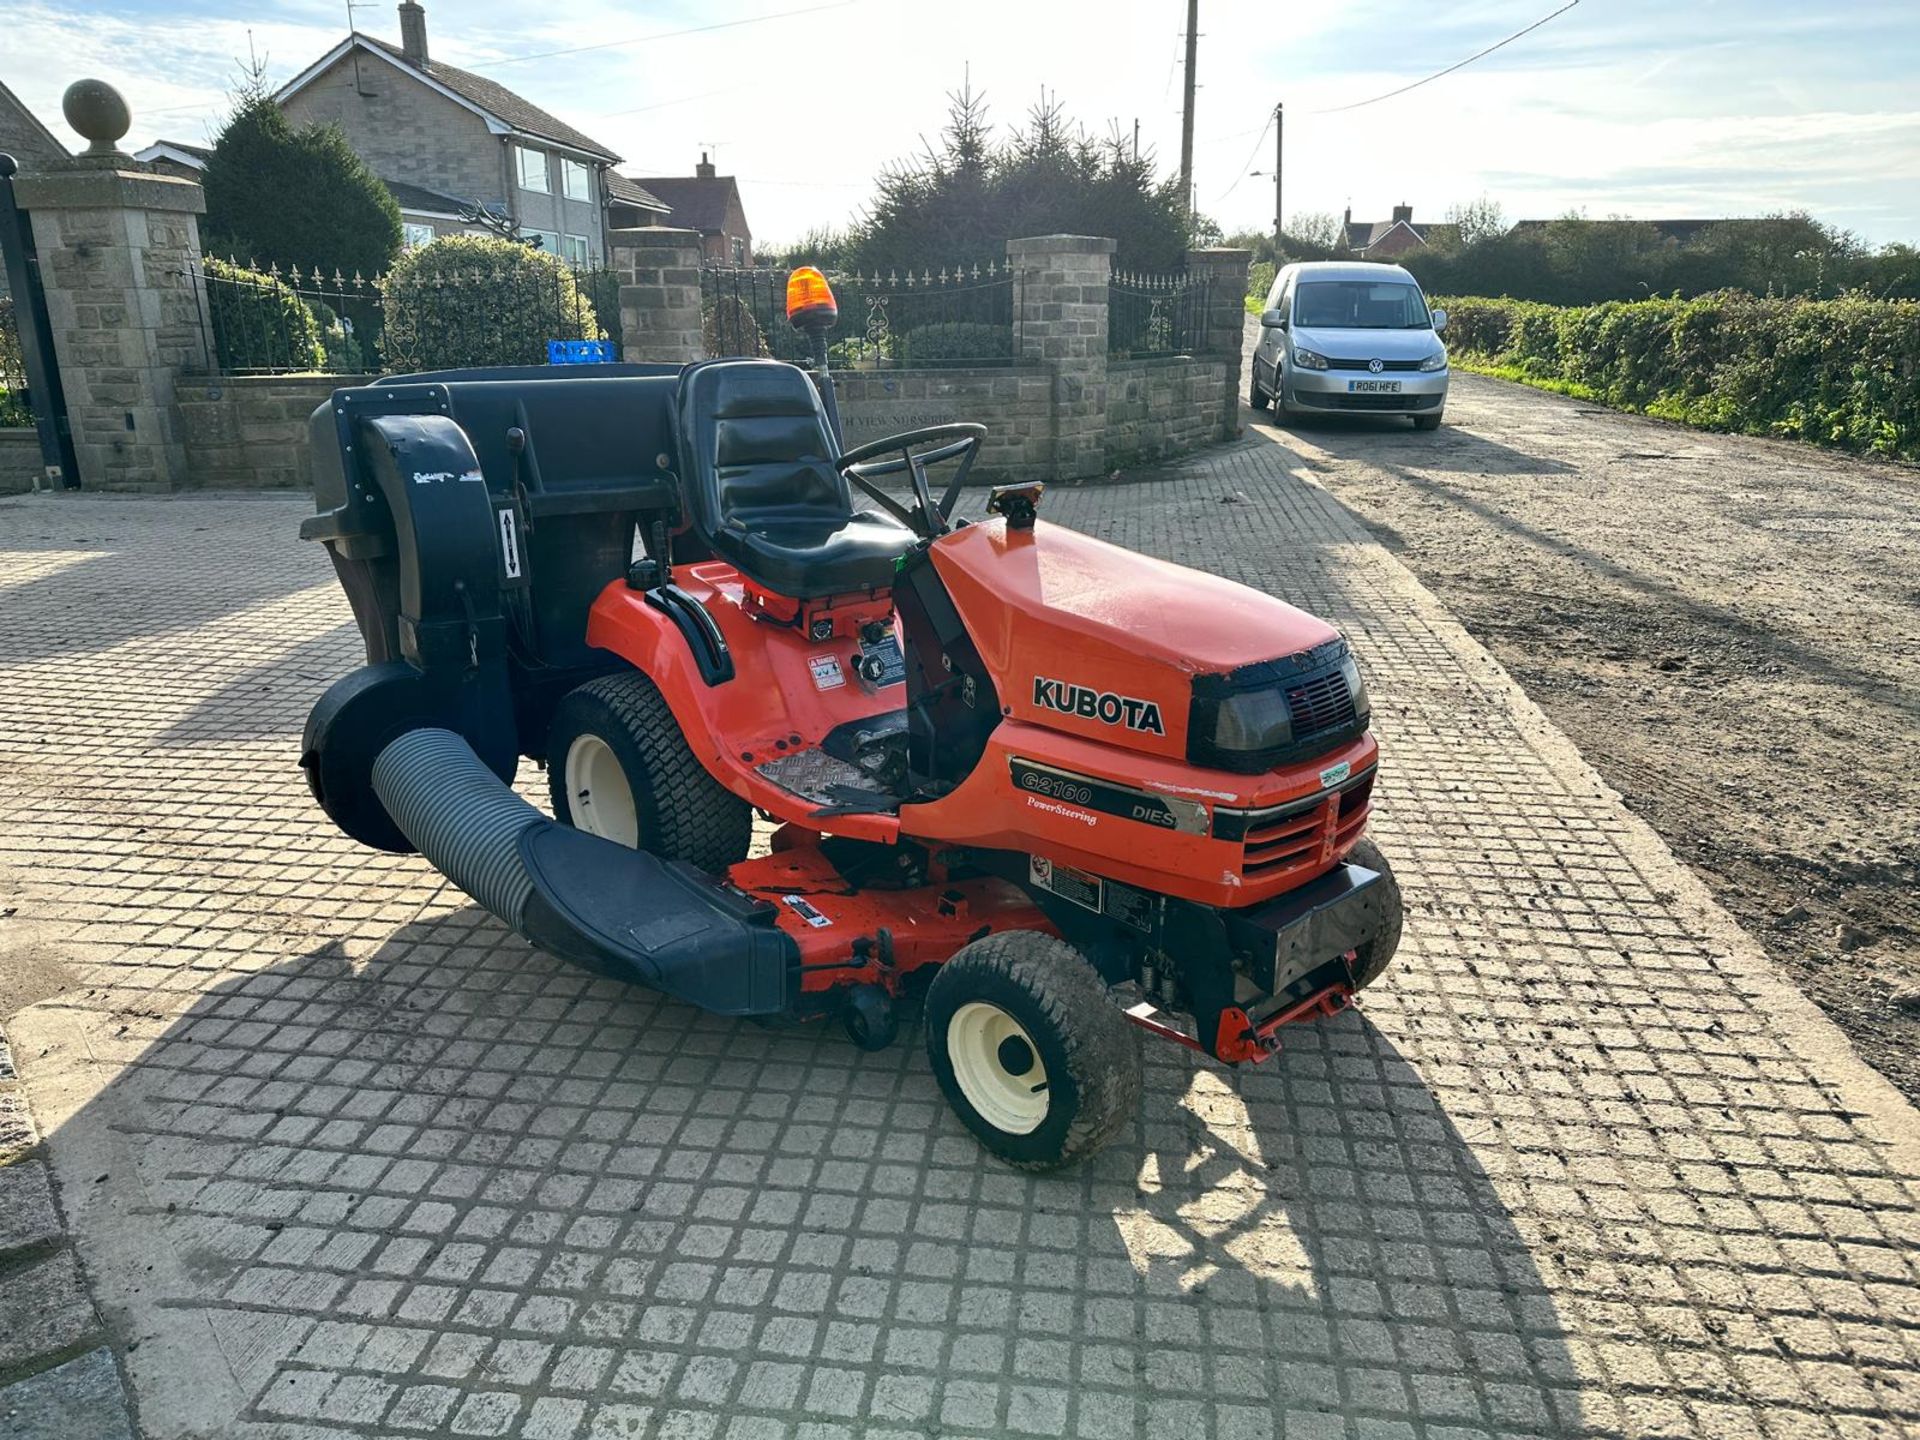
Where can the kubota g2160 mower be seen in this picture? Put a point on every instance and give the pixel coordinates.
(1075, 789)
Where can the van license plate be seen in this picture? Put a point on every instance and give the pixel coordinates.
(1373, 387)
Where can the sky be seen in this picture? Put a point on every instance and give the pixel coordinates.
(1649, 108)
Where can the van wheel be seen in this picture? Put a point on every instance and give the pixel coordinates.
(1428, 422)
(1256, 397)
(618, 767)
(1373, 957)
(1030, 1050)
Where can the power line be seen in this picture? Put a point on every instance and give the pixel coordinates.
(1458, 65)
(666, 35)
(1243, 172)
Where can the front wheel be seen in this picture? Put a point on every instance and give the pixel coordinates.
(1256, 396)
(1030, 1050)
(1428, 422)
(1373, 957)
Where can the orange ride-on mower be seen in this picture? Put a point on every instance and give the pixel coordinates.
(1063, 789)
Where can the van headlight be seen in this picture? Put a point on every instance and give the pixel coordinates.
(1435, 361)
(1309, 359)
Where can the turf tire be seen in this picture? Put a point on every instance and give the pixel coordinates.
(683, 813)
(1377, 953)
(1086, 1045)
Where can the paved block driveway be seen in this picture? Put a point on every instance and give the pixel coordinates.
(343, 1157)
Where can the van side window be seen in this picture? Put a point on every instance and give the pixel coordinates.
(1273, 292)
(1284, 302)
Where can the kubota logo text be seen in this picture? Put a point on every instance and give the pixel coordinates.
(1102, 705)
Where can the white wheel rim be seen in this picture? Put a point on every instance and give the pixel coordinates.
(987, 1047)
(598, 796)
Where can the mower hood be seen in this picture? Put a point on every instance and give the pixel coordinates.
(1084, 636)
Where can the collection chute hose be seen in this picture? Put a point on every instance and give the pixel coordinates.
(459, 815)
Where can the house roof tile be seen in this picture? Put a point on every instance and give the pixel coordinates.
(631, 192)
(699, 202)
(497, 100)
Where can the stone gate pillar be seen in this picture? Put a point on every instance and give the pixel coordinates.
(659, 294)
(1063, 326)
(1226, 272)
(119, 248)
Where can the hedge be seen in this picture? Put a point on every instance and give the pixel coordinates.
(1844, 372)
(469, 300)
(14, 409)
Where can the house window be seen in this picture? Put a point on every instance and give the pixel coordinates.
(549, 241)
(531, 168)
(573, 249)
(578, 180)
(414, 235)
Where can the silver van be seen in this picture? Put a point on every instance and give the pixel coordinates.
(1350, 337)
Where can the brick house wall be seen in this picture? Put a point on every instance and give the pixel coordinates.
(405, 129)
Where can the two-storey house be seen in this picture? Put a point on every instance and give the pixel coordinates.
(445, 139)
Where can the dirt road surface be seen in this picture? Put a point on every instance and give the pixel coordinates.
(1728, 629)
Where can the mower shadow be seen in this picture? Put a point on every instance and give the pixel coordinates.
(457, 1147)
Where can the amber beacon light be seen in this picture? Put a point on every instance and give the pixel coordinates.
(810, 301)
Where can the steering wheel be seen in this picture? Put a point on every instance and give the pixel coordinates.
(928, 519)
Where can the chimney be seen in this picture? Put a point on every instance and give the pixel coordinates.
(1346, 220)
(413, 33)
(1403, 212)
(704, 170)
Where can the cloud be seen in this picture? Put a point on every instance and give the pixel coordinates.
(1620, 104)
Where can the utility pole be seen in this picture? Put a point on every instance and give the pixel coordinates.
(1279, 156)
(1186, 113)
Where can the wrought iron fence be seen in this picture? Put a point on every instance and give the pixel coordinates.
(1154, 315)
(955, 316)
(16, 405)
(265, 321)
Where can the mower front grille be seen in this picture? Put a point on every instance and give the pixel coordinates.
(1322, 703)
(1303, 840)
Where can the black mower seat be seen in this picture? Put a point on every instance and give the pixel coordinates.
(763, 490)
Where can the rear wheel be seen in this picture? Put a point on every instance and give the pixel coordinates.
(1374, 956)
(618, 767)
(1030, 1050)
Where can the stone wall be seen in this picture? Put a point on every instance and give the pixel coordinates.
(1016, 406)
(1161, 408)
(20, 463)
(117, 249)
(250, 432)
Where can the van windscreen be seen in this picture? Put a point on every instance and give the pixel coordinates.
(1360, 305)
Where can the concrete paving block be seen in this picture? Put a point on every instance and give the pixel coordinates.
(28, 1215)
(44, 1309)
(80, 1400)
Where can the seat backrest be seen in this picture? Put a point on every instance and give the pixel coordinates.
(756, 446)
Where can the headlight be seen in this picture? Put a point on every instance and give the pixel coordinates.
(1435, 361)
(1356, 687)
(1309, 359)
(1250, 722)
(1275, 713)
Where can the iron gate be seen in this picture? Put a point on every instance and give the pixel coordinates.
(29, 375)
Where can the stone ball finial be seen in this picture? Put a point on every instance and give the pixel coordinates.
(97, 111)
